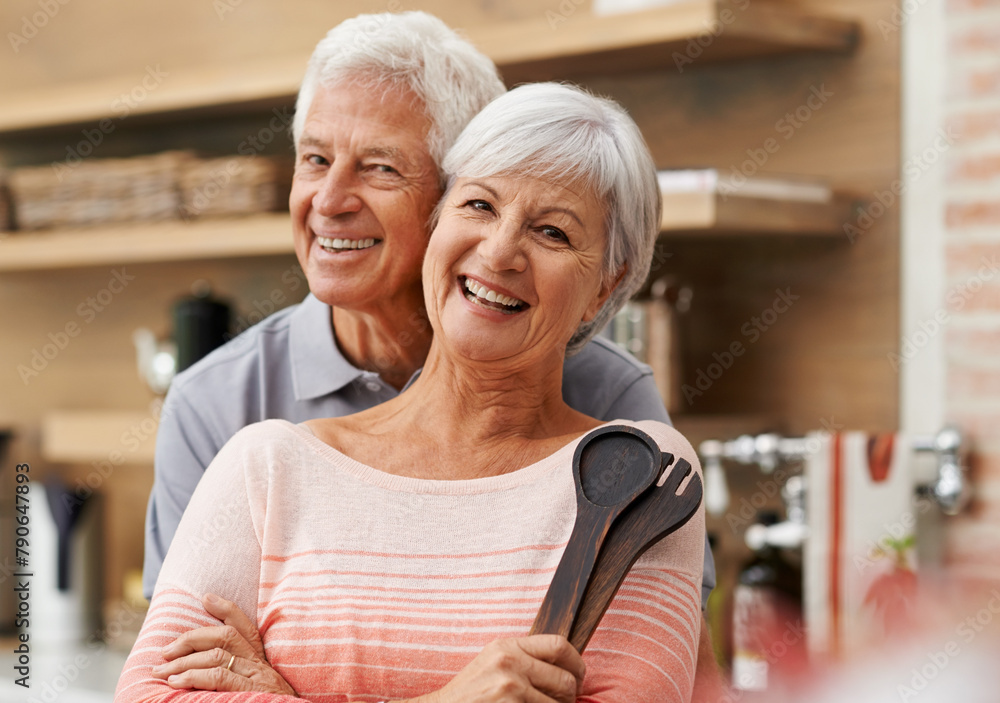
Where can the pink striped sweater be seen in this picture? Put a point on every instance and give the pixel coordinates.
(367, 586)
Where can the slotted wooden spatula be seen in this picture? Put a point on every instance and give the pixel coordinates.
(651, 517)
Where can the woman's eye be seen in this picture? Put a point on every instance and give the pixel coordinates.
(480, 205)
(555, 233)
(317, 160)
(383, 168)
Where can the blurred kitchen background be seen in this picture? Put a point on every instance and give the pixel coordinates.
(823, 313)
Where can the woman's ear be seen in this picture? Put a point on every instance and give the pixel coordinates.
(602, 295)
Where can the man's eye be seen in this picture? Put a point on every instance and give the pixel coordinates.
(317, 160)
(384, 168)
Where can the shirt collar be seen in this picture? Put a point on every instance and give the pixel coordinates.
(414, 377)
(318, 367)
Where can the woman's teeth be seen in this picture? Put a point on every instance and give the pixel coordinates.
(478, 293)
(339, 244)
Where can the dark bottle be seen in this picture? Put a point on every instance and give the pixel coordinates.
(201, 324)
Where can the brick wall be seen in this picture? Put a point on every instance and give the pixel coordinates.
(972, 256)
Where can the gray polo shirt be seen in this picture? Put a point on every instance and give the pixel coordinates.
(289, 367)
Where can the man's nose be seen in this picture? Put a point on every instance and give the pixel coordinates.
(338, 192)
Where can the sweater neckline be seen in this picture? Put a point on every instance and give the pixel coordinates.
(562, 457)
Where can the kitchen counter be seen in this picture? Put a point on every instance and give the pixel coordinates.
(83, 673)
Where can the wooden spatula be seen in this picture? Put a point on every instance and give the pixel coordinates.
(611, 466)
(650, 518)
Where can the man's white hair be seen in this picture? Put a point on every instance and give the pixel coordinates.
(414, 50)
(562, 133)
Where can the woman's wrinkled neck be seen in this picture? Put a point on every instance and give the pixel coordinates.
(504, 398)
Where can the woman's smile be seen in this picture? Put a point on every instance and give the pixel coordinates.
(484, 296)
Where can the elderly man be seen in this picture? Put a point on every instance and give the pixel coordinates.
(383, 98)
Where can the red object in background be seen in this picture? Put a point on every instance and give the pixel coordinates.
(880, 456)
(893, 595)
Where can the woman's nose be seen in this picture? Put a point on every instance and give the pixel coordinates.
(501, 247)
(337, 193)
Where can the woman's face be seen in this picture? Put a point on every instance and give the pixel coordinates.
(514, 266)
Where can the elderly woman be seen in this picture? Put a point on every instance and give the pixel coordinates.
(402, 552)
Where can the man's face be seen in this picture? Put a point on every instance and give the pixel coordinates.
(363, 190)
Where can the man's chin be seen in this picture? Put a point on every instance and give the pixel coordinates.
(332, 294)
(342, 294)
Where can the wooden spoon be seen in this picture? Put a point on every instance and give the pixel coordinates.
(611, 466)
(651, 517)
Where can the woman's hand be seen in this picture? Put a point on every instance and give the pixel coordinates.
(536, 669)
(227, 657)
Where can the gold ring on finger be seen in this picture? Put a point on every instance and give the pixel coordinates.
(229, 666)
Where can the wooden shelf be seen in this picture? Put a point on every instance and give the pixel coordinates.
(586, 44)
(714, 214)
(173, 240)
(86, 436)
(204, 89)
(700, 215)
(582, 44)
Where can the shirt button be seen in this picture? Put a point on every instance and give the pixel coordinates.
(373, 386)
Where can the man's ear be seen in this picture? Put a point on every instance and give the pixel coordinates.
(602, 295)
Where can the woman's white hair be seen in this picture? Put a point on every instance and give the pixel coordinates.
(415, 50)
(559, 132)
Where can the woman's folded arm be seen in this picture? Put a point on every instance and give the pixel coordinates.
(172, 613)
(216, 550)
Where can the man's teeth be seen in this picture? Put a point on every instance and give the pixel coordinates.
(484, 293)
(327, 243)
